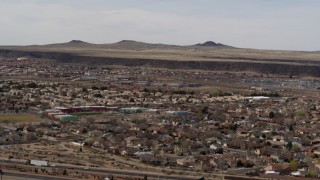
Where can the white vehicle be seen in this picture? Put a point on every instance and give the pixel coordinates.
(39, 163)
(272, 172)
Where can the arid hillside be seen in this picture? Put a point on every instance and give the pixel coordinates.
(205, 56)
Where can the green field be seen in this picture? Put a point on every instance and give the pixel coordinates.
(19, 118)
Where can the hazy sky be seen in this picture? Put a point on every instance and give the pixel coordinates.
(264, 24)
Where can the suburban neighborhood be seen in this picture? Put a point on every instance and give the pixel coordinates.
(171, 122)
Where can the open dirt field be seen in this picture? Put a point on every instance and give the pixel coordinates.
(19, 118)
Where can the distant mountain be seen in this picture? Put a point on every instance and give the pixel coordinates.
(206, 56)
(124, 44)
(213, 44)
(72, 43)
(131, 44)
(77, 42)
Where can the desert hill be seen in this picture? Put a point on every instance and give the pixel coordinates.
(213, 44)
(208, 56)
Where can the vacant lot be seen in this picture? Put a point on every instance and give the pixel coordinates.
(19, 118)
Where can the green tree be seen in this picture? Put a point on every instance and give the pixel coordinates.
(294, 165)
(308, 160)
(313, 172)
(10, 157)
(65, 172)
(289, 145)
(94, 88)
(295, 148)
(103, 88)
(98, 95)
(32, 85)
(234, 127)
(290, 127)
(39, 133)
(271, 115)
(239, 163)
(205, 110)
(85, 90)
(84, 131)
(248, 164)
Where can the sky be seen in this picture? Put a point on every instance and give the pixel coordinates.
(259, 24)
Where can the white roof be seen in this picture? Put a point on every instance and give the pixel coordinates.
(271, 172)
(257, 97)
(297, 173)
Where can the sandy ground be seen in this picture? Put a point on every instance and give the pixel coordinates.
(15, 178)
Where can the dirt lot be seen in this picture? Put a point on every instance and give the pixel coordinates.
(19, 118)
